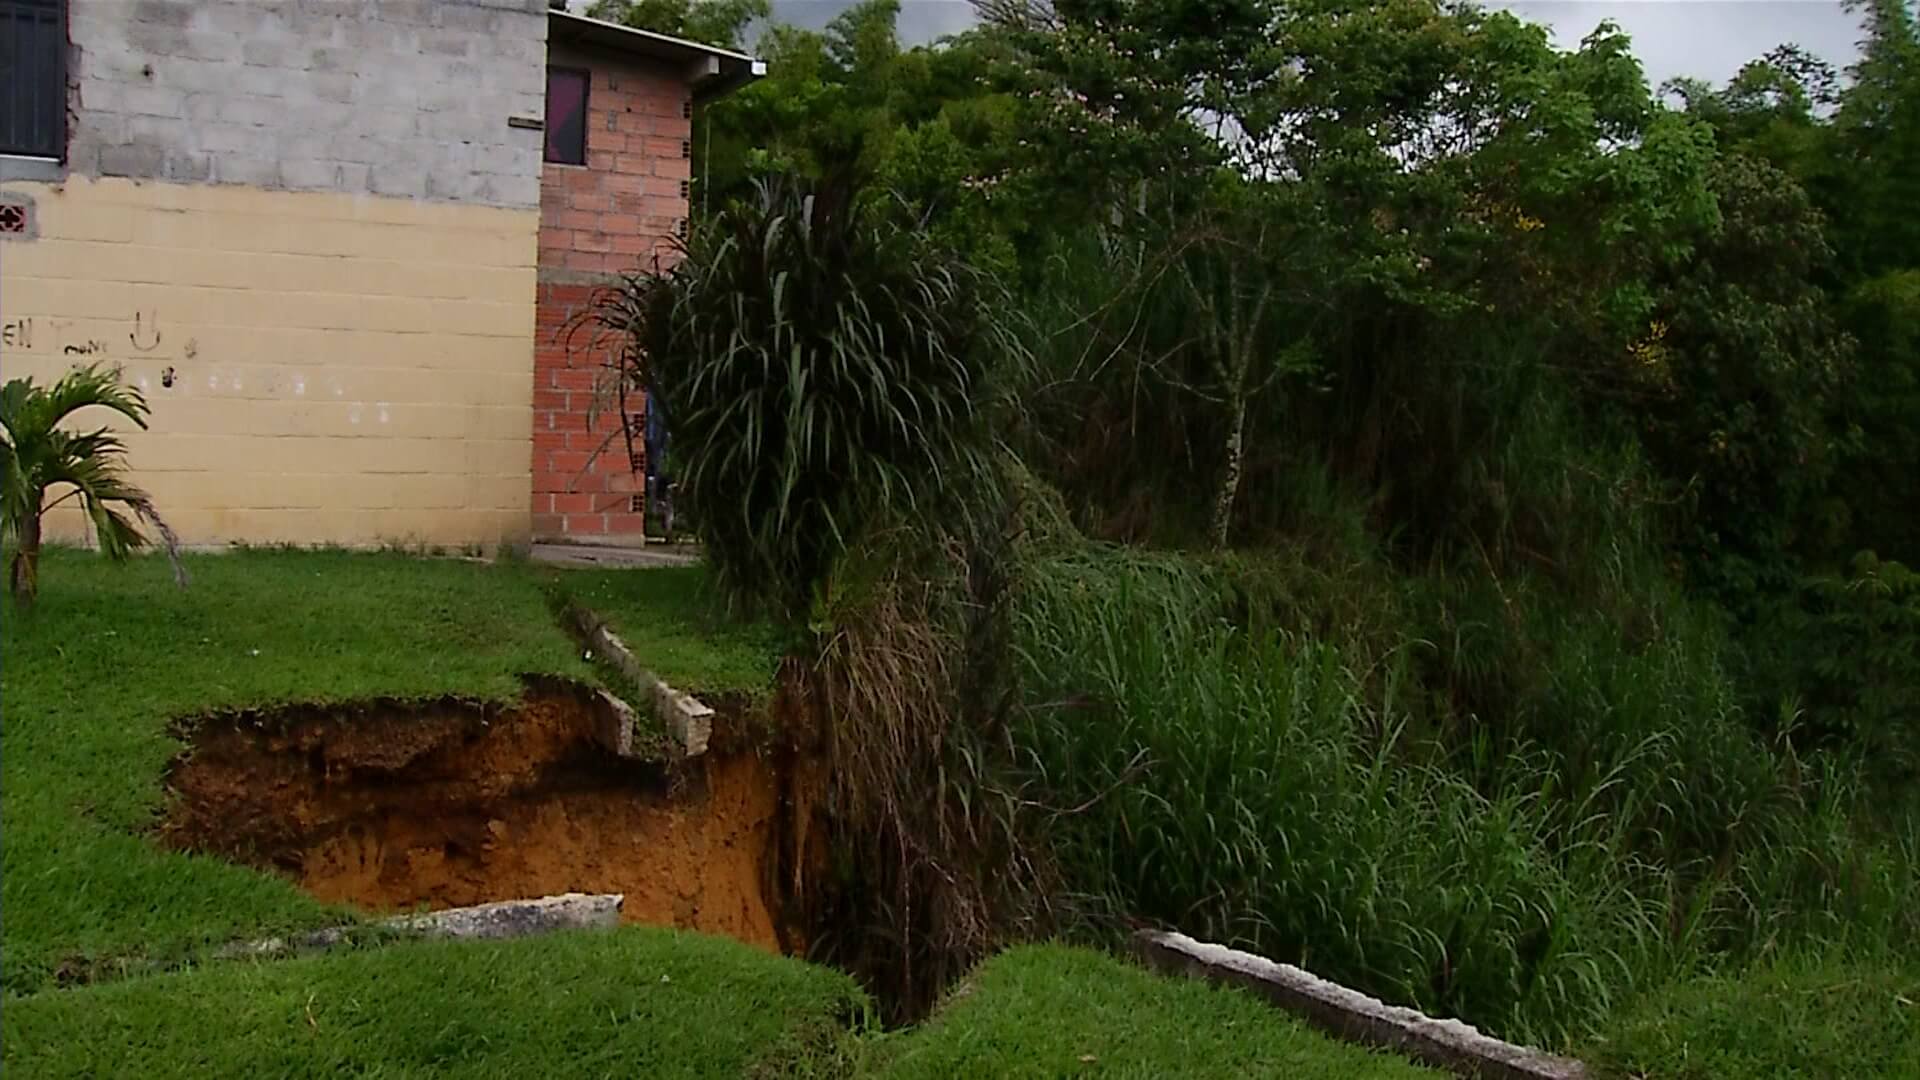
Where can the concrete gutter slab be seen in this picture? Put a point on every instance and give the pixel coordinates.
(1353, 1016)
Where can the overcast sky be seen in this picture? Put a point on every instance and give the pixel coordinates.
(1708, 39)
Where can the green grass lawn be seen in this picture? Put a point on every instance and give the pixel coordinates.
(635, 1002)
(657, 1003)
(98, 671)
(1053, 1011)
(110, 655)
(1800, 1017)
(674, 626)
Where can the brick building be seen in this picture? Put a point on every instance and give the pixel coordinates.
(610, 201)
(331, 241)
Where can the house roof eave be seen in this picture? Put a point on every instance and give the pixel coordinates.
(710, 70)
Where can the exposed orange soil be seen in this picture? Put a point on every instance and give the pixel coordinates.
(394, 806)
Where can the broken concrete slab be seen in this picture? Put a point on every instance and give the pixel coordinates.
(481, 922)
(516, 918)
(1354, 1016)
(613, 721)
(688, 720)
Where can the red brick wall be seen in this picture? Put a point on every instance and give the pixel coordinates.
(584, 483)
(618, 212)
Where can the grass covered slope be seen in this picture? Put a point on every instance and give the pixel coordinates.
(631, 1002)
(110, 655)
(1050, 1010)
(1811, 1017)
(670, 617)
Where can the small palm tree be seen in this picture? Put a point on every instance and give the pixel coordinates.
(36, 456)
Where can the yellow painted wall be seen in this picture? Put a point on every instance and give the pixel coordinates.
(346, 368)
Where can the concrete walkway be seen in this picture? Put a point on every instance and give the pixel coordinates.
(607, 556)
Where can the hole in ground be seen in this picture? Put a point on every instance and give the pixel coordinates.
(390, 806)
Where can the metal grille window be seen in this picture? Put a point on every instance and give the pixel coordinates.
(33, 77)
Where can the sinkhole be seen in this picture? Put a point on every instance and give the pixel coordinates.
(395, 806)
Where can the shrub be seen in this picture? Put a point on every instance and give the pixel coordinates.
(37, 457)
(821, 363)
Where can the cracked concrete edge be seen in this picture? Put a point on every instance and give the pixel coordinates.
(482, 922)
(688, 719)
(516, 918)
(614, 720)
(1354, 1016)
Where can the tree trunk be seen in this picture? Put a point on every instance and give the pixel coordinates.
(24, 575)
(1230, 479)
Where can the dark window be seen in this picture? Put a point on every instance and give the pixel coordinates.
(33, 77)
(567, 116)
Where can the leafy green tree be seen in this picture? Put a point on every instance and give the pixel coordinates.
(1878, 126)
(1876, 483)
(1469, 219)
(713, 22)
(1738, 385)
(39, 457)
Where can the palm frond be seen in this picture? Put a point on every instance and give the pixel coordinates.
(38, 456)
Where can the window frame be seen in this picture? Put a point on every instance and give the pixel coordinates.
(586, 113)
(48, 19)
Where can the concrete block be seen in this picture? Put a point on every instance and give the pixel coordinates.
(467, 17)
(400, 178)
(1351, 1015)
(254, 81)
(330, 59)
(353, 146)
(252, 112)
(187, 167)
(151, 39)
(243, 168)
(383, 120)
(310, 174)
(131, 159)
(336, 87)
(137, 99)
(355, 176)
(410, 12)
(194, 76)
(210, 45)
(225, 138)
(175, 13)
(278, 54)
(688, 720)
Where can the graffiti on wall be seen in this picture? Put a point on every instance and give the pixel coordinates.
(61, 337)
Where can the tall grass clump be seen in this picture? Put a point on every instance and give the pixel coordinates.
(936, 861)
(1256, 785)
(822, 365)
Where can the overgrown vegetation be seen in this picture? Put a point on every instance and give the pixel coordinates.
(822, 364)
(110, 947)
(1457, 529)
(1349, 480)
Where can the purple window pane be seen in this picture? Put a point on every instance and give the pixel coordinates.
(566, 116)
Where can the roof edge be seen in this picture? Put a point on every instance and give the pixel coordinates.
(603, 30)
(709, 69)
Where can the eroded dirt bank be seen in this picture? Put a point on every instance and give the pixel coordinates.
(390, 806)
